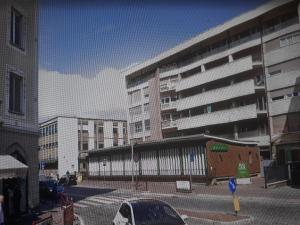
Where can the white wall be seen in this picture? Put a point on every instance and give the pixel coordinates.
(91, 134)
(108, 134)
(67, 145)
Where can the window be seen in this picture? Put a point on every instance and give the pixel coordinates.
(55, 128)
(208, 108)
(135, 111)
(278, 98)
(15, 93)
(84, 122)
(126, 212)
(85, 146)
(115, 131)
(16, 28)
(47, 131)
(146, 92)
(100, 130)
(138, 127)
(115, 124)
(134, 97)
(147, 124)
(146, 107)
(275, 72)
(165, 100)
(290, 40)
(100, 145)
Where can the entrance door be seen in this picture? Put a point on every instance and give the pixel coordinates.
(295, 166)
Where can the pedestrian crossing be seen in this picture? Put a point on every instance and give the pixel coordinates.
(98, 200)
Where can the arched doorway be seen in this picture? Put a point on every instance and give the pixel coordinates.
(15, 190)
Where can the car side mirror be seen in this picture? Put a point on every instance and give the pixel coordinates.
(184, 217)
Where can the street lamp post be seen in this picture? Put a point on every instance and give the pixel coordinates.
(132, 178)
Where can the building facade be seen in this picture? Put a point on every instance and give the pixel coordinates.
(218, 82)
(65, 141)
(19, 97)
(201, 156)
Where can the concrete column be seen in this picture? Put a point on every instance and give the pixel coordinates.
(230, 58)
(202, 68)
(236, 134)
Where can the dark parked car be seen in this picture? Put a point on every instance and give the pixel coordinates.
(68, 180)
(50, 189)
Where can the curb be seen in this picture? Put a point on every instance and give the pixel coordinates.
(247, 221)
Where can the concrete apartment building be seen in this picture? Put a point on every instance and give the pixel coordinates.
(19, 102)
(215, 83)
(65, 141)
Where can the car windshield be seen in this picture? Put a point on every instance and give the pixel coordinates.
(155, 213)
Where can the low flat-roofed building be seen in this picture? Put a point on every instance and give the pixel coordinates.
(202, 156)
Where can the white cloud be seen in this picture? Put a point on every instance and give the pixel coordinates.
(74, 95)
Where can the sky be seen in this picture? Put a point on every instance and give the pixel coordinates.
(83, 45)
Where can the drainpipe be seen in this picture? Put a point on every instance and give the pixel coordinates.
(266, 88)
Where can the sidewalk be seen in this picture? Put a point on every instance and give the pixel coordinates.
(216, 218)
(45, 209)
(256, 189)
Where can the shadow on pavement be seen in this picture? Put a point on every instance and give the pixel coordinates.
(79, 193)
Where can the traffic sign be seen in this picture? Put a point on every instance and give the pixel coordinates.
(232, 185)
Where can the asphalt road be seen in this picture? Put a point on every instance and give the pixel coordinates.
(99, 206)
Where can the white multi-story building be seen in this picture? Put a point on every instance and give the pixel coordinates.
(65, 141)
(215, 82)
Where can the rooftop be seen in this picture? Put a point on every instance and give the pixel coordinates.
(252, 14)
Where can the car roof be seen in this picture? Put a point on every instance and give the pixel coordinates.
(144, 200)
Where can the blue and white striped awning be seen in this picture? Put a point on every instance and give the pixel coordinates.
(11, 167)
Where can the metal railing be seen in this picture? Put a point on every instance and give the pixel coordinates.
(169, 123)
(275, 173)
(280, 26)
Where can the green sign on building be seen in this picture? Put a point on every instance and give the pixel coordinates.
(242, 170)
(219, 147)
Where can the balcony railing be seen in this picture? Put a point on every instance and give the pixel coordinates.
(226, 70)
(170, 105)
(280, 26)
(247, 134)
(218, 117)
(217, 95)
(222, 48)
(168, 124)
(167, 86)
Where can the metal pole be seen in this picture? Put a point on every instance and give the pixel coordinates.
(191, 176)
(104, 172)
(132, 175)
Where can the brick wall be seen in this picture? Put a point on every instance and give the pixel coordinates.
(224, 164)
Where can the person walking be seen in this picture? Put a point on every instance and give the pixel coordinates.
(1, 210)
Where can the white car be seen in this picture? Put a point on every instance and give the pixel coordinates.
(144, 211)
